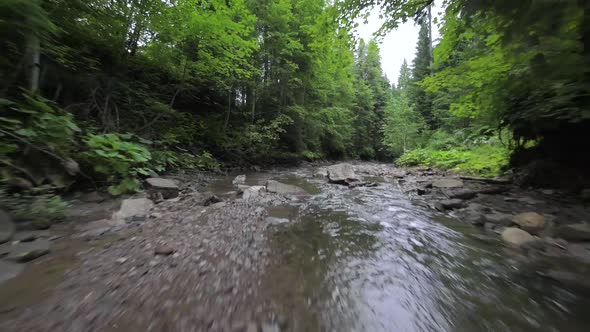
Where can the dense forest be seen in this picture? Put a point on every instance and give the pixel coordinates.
(109, 91)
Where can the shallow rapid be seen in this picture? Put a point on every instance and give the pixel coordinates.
(368, 259)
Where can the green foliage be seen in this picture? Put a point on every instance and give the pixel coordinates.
(35, 121)
(36, 205)
(482, 160)
(119, 161)
(168, 160)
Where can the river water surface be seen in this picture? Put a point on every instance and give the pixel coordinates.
(368, 259)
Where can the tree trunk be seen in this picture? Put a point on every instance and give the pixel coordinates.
(228, 111)
(34, 63)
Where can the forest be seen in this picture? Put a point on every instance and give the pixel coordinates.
(106, 92)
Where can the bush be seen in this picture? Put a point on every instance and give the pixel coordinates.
(35, 205)
(482, 160)
(118, 161)
(164, 160)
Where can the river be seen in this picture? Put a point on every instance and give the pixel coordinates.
(368, 259)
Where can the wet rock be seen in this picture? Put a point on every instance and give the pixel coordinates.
(531, 222)
(28, 236)
(472, 193)
(449, 204)
(7, 227)
(497, 218)
(19, 184)
(205, 199)
(421, 191)
(273, 186)
(95, 233)
(133, 208)
(85, 212)
(567, 278)
(447, 183)
(239, 180)
(166, 187)
(321, 173)
(253, 192)
(9, 270)
(27, 251)
(362, 184)
(574, 232)
(342, 174)
(164, 250)
(516, 236)
(41, 224)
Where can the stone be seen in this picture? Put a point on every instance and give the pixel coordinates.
(585, 195)
(531, 222)
(7, 227)
(92, 197)
(121, 260)
(27, 251)
(497, 218)
(205, 198)
(240, 179)
(71, 166)
(342, 174)
(29, 236)
(9, 270)
(321, 173)
(447, 183)
(253, 192)
(574, 232)
(95, 233)
(516, 236)
(421, 191)
(163, 250)
(133, 208)
(166, 187)
(449, 204)
(19, 184)
(273, 186)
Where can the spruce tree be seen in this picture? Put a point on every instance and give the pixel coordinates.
(421, 100)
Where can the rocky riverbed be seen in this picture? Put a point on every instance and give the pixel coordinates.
(363, 247)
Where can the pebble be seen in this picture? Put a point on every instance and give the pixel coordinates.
(164, 250)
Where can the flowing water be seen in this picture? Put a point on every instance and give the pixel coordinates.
(367, 259)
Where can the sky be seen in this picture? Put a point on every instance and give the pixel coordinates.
(397, 45)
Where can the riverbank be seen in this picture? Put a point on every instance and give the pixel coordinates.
(229, 253)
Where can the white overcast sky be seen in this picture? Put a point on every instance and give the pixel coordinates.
(397, 45)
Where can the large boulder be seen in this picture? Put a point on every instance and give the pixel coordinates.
(531, 222)
(574, 232)
(447, 183)
(342, 174)
(7, 227)
(165, 187)
(133, 209)
(276, 187)
(516, 236)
